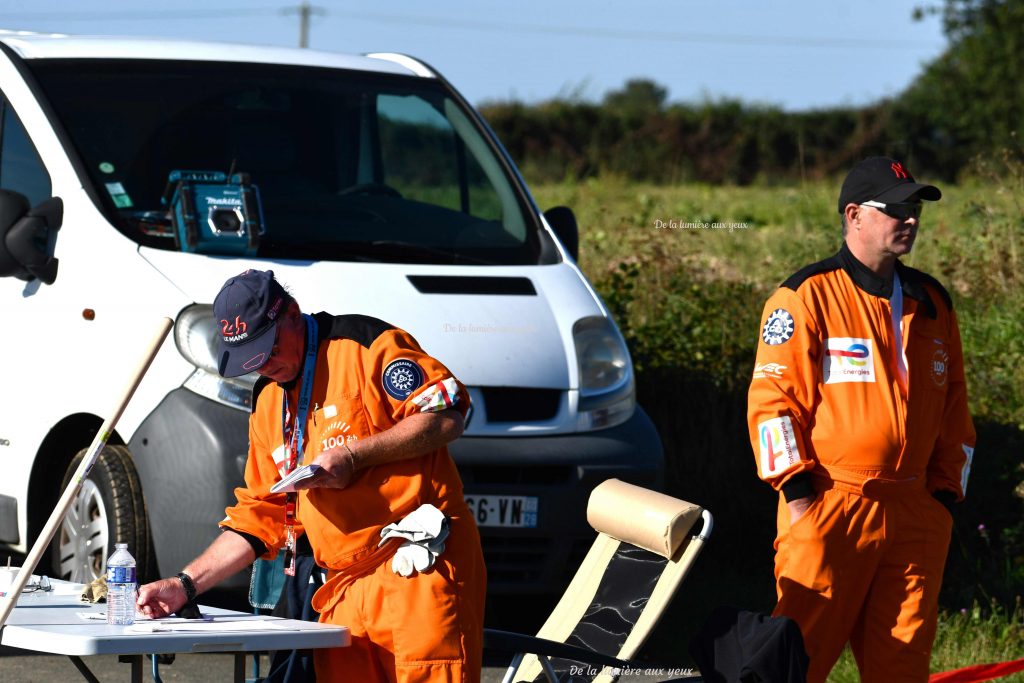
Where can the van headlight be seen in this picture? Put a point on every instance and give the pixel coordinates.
(195, 334)
(607, 394)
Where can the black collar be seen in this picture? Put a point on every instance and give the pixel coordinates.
(862, 276)
(910, 282)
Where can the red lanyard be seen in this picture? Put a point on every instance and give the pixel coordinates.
(292, 429)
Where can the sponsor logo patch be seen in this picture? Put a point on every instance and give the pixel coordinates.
(401, 378)
(778, 328)
(779, 451)
(768, 370)
(849, 359)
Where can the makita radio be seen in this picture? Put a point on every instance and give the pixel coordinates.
(214, 213)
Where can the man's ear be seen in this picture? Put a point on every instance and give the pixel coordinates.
(852, 213)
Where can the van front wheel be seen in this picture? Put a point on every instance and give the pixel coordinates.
(108, 509)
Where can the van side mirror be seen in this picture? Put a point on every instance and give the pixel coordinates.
(563, 221)
(25, 237)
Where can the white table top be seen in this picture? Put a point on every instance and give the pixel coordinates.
(52, 622)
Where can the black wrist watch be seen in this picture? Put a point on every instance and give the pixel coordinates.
(190, 588)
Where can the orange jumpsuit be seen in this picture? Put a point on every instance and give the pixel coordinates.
(870, 418)
(427, 627)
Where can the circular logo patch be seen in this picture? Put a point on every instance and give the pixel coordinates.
(401, 378)
(778, 328)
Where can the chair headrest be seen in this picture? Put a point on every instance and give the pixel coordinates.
(641, 517)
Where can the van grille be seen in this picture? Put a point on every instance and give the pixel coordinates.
(513, 404)
(483, 285)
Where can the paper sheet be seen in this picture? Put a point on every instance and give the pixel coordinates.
(301, 474)
(182, 626)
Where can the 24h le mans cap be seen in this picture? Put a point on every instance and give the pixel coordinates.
(883, 180)
(247, 309)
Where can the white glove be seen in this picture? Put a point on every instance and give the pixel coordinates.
(424, 530)
(411, 558)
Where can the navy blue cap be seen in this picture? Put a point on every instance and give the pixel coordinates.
(883, 180)
(247, 310)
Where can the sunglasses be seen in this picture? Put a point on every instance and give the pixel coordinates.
(901, 211)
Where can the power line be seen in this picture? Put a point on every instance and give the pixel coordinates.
(625, 34)
(305, 11)
(141, 15)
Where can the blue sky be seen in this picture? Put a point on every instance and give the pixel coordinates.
(798, 54)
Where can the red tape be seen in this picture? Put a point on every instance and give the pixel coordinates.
(979, 672)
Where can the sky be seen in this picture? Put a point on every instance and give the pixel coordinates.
(795, 54)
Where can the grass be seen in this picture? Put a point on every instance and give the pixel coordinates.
(974, 636)
(686, 269)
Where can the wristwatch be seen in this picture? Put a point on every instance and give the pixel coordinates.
(189, 610)
(188, 585)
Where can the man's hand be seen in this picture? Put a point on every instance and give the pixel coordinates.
(798, 507)
(337, 465)
(161, 598)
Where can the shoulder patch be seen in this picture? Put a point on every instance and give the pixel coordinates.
(402, 377)
(799, 277)
(362, 329)
(778, 328)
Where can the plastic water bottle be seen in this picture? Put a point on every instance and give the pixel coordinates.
(122, 587)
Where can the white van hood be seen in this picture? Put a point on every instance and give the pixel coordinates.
(485, 339)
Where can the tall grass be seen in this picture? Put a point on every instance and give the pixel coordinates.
(973, 636)
(686, 270)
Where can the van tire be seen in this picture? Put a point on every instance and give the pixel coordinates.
(108, 509)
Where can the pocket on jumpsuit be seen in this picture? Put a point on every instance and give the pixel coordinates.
(800, 557)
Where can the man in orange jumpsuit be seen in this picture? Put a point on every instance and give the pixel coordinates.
(858, 417)
(378, 415)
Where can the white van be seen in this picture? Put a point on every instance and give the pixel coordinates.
(368, 185)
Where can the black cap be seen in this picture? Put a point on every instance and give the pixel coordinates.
(883, 180)
(247, 310)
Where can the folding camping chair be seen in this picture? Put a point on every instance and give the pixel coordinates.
(643, 551)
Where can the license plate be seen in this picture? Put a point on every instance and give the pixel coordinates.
(504, 511)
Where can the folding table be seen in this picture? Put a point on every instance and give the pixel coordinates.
(56, 622)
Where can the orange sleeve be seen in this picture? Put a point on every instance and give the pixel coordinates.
(401, 380)
(783, 389)
(950, 464)
(257, 511)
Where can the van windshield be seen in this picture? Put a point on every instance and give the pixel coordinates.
(349, 165)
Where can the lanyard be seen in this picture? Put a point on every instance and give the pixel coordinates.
(292, 431)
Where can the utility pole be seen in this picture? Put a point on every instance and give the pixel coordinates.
(305, 11)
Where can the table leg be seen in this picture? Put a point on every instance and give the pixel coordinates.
(136, 662)
(239, 667)
(83, 669)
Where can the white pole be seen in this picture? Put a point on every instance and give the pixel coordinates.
(8, 602)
